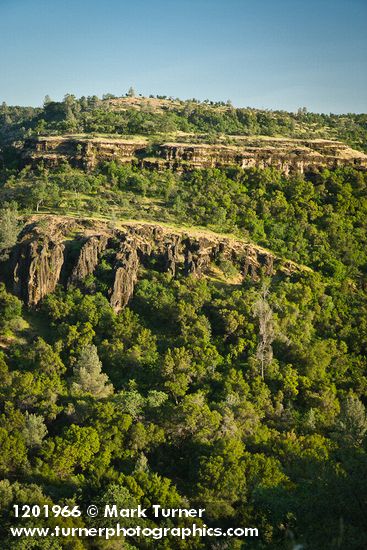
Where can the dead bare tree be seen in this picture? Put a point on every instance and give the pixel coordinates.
(264, 314)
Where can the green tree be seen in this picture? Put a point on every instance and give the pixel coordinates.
(43, 191)
(351, 423)
(13, 456)
(75, 449)
(88, 376)
(177, 370)
(9, 229)
(10, 307)
(34, 430)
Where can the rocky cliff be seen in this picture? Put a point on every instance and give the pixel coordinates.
(287, 155)
(65, 251)
(81, 152)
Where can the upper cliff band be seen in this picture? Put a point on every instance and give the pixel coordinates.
(287, 155)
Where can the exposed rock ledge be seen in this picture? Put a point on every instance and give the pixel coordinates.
(64, 251)
(286, 155)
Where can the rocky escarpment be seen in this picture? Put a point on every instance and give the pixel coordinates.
(65, 251)
(37, 268)
(89, 255)
(126, 273)
(81, 152)
(287, 155)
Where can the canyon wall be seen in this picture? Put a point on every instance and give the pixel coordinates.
(65, 251)
(287, 155)
(81, 152)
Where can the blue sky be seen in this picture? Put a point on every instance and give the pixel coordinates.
(276, 54)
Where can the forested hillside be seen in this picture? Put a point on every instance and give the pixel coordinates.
(157, 115)
(234, 379)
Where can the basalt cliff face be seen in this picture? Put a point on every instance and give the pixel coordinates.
(81, 152)
(65, 251)
(287, 155)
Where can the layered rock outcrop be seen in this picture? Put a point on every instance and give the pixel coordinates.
(81, 152)
(64, 251)
(287, 155)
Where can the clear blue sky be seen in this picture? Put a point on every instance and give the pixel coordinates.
(263, 53)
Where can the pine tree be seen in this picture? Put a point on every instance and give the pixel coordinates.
(88, 376)
(131, 92)
(34, 430)
(351, 424)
